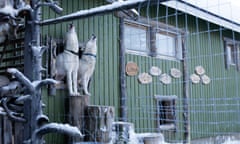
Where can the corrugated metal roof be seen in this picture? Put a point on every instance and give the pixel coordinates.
(203, 13)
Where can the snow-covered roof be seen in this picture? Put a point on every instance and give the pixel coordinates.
(203, 13)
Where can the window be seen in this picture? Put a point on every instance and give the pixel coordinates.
(154, 39)
(166, 112)
(168, 45)
(231, 48)
(135, 38)
(165, 44)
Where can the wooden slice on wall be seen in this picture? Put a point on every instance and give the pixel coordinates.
(165, 78)
(144, 78)
(131, 69)
(199, 70)
(195, 78)
(205, 79)
(155, 71)
(175, 73)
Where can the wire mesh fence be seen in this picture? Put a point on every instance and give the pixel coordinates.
(180, 73)
(190, 57)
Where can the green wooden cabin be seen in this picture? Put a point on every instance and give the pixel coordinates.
(190, 41)
(204, 84)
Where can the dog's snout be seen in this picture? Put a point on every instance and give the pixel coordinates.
(93, 36)
(71, 25)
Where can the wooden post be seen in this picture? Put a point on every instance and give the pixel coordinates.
(185, 95)
(7, 129)
(98, 123)
(1, 129)
(18, 132)
(77, 106)
(123, 93)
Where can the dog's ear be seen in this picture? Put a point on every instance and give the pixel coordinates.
(60, 46)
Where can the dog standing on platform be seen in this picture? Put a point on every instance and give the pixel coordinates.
(67, 63)
(87, 64)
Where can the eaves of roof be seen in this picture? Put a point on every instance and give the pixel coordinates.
(199, 12)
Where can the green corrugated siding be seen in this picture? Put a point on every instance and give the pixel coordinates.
(105, 82)
(141, 102)
(214, 107)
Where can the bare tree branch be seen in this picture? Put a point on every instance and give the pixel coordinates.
(11, 114)
(39, 84)
(54, 128)
(21, 78)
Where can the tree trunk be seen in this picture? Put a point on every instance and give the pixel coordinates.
(98, 123)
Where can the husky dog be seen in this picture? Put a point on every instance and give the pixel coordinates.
(87, 64)
(67, 62)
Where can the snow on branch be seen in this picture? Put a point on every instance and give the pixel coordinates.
(54, 128)
(98, 10)
(58, 128)
(21, 78)
(31, 86)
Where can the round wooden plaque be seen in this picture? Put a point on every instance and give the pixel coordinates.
(155, 71)
(205, 79)
(131, 69)
(144, 78)
(195, 78)
(199, 70)
(175, 73)
(165, 79)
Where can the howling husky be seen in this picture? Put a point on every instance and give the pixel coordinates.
(67, 62)
(87, 64)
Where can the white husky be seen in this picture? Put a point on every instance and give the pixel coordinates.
(87, 64)
(67, 62)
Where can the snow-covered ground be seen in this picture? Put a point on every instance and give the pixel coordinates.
(232, 142)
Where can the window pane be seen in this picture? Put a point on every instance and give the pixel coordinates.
(165, 44)
(135, 38)
(231, 54)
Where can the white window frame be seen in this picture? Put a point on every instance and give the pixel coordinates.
(177, 45)
(152, 28)
(168, 125)
(142, 27)
(232, 53)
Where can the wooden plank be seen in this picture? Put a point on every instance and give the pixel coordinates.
(12, 41)
(11, 50)
(18, 132)
(13, 58)
(15, 66)
(7, 129)
(1, 129)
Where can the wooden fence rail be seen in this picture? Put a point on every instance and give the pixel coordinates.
(10, 132)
